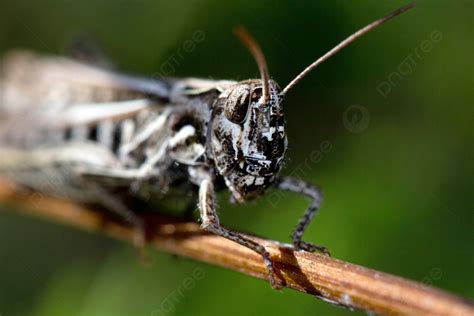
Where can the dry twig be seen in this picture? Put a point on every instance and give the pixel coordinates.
(333, 280)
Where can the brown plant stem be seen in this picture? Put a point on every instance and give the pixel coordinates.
(330, 279)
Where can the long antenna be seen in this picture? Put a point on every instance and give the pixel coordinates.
(257, 54)
(344, 43)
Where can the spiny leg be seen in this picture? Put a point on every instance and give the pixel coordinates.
(210, 223)
(145, 134)
(117, 207)
(298, 186)
(63, 171)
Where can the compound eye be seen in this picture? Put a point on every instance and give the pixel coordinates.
(256, 94)
(237, 105)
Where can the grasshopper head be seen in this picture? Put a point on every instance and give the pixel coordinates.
(248, 141)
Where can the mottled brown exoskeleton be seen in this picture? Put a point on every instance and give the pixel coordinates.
(96, 136)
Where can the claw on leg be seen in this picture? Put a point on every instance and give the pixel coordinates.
(306, 246)
(275, 281)
(210, 223)
(314, 193)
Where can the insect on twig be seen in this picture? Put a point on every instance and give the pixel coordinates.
(100, 137)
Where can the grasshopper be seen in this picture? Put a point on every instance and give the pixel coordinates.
(106, 138)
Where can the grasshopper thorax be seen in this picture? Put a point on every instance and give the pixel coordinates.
(248, 141)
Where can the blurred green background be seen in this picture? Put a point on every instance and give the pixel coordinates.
(385, 127)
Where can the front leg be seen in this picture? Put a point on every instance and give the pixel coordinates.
(210, 223)
(314, 194)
